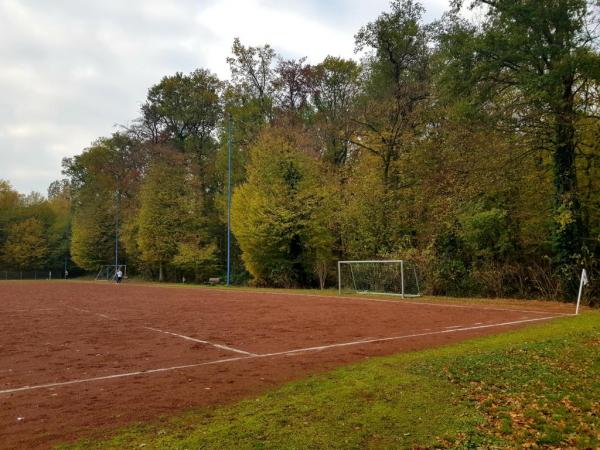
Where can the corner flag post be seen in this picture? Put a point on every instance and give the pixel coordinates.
(228, 199)
(583, 282)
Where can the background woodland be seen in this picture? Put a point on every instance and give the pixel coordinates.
(472, 148)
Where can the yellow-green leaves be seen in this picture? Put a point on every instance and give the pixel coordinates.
(26, 246)
(280, 213)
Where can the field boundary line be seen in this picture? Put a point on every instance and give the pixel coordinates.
(267, 355)
(397, 302)
(15, 311)
(397, 338)
(334, 297)
(120, 375)
(188, 338)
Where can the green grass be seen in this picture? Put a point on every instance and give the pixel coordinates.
(537, 387)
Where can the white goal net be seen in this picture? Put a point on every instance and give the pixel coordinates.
(109, 272)
(391, 277)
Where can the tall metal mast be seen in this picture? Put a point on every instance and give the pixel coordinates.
(229, 200)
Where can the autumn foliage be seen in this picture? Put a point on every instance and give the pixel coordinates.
(468, 147)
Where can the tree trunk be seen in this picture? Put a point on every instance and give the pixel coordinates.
(160, 271)
(569, 227)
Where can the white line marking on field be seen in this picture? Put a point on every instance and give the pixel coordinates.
(104, 316)
(396, 338)
(396, 302)
(120, 375)
(223, 347)
(266, 355)
(27, 310)
(454, 326)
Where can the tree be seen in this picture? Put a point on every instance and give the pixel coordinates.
(532, 68)
(396, 86)
(252, 72)
(293, 84)
(280, 212)
(169, 207)
(184, 110)
(10, 202)
(59, 230)
(104, 181)
(335, 87)
(93, 233)
(195, 259)
(26, 245)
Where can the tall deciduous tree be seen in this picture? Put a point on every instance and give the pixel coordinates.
(280, 213)
(170, 218)
(184, 109)
(396, 86)
(533, 65)
(10, 201)
(26, 246)
(335, 87)
(293, 84)
(104, 182)
(253, 74)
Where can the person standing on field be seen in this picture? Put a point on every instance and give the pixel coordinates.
(119, 275)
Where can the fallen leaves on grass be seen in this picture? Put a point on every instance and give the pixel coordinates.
(542, 395)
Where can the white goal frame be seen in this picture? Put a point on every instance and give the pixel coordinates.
(108, 271)
(402, 262)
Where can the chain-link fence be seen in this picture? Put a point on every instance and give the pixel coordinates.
(45, 274)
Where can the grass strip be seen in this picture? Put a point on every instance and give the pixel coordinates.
(538, 387)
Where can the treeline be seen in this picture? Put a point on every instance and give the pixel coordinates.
(471, 148)
(34, 231)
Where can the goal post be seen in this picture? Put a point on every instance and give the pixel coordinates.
(108, 272)
(389, 277)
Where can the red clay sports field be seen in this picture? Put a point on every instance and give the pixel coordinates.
(79, 358)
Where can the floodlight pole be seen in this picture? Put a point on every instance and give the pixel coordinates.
(228, 199)
(118, 201)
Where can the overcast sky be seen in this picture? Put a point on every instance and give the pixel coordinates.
(72, 69)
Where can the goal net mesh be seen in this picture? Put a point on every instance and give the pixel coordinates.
(109, 272)
(382, 277)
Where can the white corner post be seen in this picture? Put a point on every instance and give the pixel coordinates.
(583, 281)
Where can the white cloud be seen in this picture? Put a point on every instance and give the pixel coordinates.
(256, 24)
(71, 70)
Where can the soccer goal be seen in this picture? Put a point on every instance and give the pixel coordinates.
(109, 272)
(390, 277)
